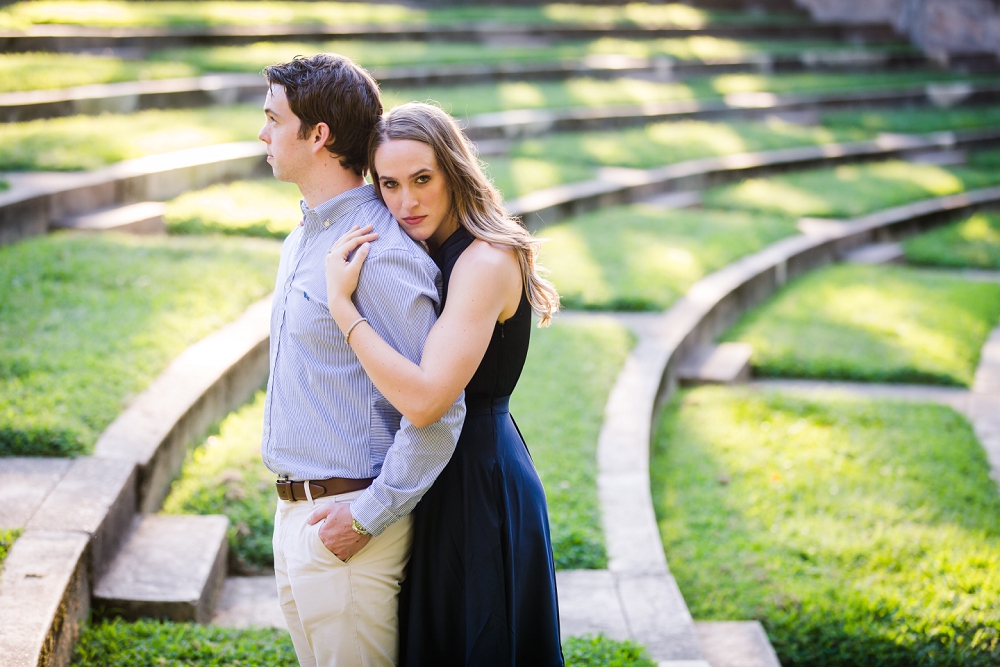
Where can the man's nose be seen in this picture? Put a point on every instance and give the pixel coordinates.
(263, 135)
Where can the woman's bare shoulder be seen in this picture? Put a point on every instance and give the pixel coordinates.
(483, 257)
(484, 266)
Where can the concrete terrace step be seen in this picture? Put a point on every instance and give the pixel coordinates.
(876, 253)
(78, 38)
(170, 567)
(141, 218)
(726, 363)
(212, 89)
(735, 644)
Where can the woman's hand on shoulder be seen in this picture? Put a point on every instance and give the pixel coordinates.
(342, 274)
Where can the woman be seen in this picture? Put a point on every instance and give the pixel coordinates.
(481, 584)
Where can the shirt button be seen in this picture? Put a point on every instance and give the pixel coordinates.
(326, 224)
(288, 285)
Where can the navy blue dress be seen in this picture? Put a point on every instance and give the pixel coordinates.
(481, 585)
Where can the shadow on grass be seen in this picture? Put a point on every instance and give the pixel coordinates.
(858, 533)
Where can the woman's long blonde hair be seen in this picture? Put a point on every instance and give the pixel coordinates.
(475, 201)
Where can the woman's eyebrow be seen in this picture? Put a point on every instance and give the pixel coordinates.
(420, 171)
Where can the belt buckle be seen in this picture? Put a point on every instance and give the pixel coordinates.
(284, 488)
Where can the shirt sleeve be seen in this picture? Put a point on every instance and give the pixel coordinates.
(398, 295)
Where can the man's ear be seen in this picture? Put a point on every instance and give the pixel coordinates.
(320, 137)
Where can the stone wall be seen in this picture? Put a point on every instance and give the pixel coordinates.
(938, 26)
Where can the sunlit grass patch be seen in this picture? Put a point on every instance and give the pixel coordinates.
(518, 175)
(973, 243)
(147, 642)
(7, 538)
(472, 99)
(558, 405)
(859, 533)
(664, 143)
(37, 71)
(882, 324)
(227, 12)
(86, 322)
(601, 651)
(847, 191)
(264, 207)
(89, 142)
(641, 257)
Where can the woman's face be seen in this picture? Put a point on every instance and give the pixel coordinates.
(415, 190)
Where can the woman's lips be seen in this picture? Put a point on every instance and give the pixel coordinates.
(414, 219)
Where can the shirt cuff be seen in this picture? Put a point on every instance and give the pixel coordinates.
(371, 514)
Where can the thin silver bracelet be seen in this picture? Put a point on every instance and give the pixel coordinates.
(347, 336)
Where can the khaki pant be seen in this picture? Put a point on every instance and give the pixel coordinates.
(339, 614)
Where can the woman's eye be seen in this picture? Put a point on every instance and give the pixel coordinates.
(423, 179)
(389, 184)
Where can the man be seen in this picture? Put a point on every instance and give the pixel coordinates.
(350, 467)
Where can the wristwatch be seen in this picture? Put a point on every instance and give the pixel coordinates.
(359, 529)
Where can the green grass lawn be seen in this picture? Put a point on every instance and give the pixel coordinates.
(663, 143)
(86, 322)
(217, 12)
(858, 533)
(263, 207)
(918, 120)
(119, 644)
(90, 142)
(880, 324)
(473, 99)
(7, 538)
(848, 191)
(640, 257)
(971, 243)
(558, 405)
(37, 71)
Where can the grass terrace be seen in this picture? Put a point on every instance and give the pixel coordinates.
(86, 322)
(971, 243)
(226, 476)
(480, 98)
(873, 323)
(859, 533)
(88, 142)
(119, 644)
(7, 538)
(38, 71)
(641, 257)
(119, 13)
(848, 191)
(914, 121)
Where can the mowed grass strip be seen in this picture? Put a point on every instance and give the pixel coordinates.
(971, 243)
(641, 257)
(86, 322)
(119, 13)
(558, 405)
(849, 191)
(119, 644)
(859, 533)
(872, 323)
(915, 120)
(7, 538)
(39, 71)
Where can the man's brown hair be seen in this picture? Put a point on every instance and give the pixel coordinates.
(328, 88)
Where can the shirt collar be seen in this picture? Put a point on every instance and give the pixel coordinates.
(329, 212)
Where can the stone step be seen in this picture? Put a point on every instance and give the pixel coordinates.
(170, 567)
(674, 200)
(142, 218)
(876, 253)
(249, 602)
(735, 644)
(726, 363)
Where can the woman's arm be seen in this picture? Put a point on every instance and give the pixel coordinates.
(485, 287)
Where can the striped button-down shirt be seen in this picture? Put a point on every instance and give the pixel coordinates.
(323, 417)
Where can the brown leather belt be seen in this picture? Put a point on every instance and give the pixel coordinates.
(320, 488)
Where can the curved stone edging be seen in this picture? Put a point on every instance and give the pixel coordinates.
(75, 38)
(214, 89)
(654, 608)
(29, 210)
